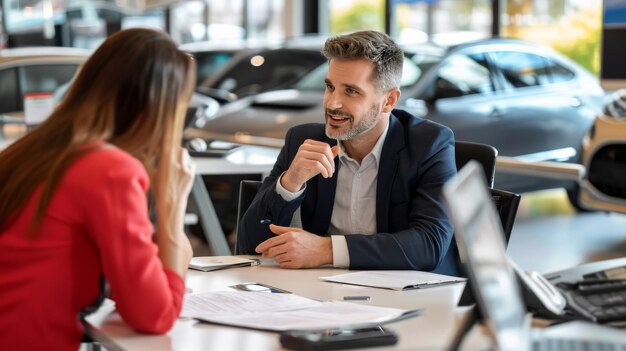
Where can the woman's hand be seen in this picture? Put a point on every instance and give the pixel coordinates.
(173, 184)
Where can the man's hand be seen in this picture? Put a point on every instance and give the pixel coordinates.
(313, 158)
(296, 248)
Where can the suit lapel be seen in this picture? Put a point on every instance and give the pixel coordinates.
(387, 169)
(325, 198)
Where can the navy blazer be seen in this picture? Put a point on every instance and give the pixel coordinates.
(413, 228)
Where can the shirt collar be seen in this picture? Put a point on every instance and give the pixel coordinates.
(376, 150)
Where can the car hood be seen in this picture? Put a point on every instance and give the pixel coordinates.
(263, 119)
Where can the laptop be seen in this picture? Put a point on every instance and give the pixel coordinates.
(479, 238)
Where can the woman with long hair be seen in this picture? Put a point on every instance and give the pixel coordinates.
(73, 198)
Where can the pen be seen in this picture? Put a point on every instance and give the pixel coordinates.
(356, 298)
(265, 221)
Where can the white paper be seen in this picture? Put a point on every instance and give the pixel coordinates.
(37, 107)
(396, 280)
(237, 302)
(280, 312)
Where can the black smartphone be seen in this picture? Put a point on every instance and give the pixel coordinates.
(336, 339)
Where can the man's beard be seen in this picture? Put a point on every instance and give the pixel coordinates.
(367, 121)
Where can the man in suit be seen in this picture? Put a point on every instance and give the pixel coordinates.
(362, 190)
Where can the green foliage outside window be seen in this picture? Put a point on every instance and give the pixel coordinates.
(361, 16)
(576, 35)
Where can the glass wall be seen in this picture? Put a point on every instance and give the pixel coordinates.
(572, 27)
(266, 19)
(351, 15)
(217, 20)
(445, 21)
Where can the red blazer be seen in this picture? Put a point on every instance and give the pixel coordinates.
(97, 223)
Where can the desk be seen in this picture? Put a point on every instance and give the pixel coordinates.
(243, 160)
(433, 330)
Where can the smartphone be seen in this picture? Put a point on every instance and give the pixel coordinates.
(335, 339)
(259, 287)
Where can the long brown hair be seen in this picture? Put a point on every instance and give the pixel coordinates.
(132, 93)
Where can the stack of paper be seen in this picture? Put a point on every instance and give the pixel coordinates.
(213, 263)
(282, 312)
(396, 280)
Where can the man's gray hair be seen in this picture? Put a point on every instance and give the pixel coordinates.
(375, 47)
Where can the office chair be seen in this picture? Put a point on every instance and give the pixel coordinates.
(506, 204)
(247, 192)
(483, 153)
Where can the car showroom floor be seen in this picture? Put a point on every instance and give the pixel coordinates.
(549, 235)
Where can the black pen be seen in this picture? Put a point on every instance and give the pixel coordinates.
(356, 298)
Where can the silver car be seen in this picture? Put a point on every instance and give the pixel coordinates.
(34, 70)
(50, 70)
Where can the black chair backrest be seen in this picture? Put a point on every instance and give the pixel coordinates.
(247, 192)
(483, 153)
(506, 204)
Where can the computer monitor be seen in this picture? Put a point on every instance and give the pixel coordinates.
(479, 237)
(494, 283)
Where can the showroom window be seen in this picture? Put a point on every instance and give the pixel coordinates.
(224, 20)
(462, 75)
(571, 27)
(352, 15)
(445, 21)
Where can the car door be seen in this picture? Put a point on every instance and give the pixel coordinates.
(543, 108)
(464, 98)
(17, 81)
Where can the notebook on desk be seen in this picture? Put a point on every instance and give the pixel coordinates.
(481, 248)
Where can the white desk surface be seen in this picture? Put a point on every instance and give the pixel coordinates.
(245, 159)
(432, 330)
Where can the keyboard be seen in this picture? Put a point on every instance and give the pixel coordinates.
(598, 301)
(555, 344)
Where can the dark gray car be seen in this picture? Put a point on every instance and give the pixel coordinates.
(528, 101)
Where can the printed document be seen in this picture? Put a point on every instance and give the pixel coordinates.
(282, 312)
(396, 280)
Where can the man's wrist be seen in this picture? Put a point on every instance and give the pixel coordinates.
(288, 184)
(329, 251)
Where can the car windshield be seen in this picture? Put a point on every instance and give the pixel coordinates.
(415, 64)
(268, 70)
(210, 62)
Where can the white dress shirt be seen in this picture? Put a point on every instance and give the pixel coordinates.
(354, 209)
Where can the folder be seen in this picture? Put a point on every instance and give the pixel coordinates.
(214, 263)
(395, 280)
